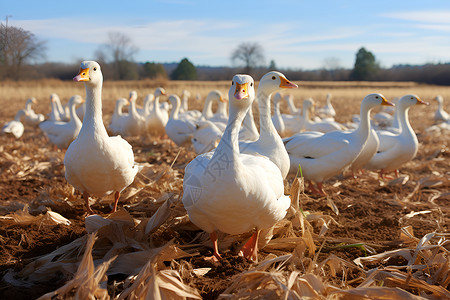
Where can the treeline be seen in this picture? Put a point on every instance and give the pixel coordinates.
(438, 74)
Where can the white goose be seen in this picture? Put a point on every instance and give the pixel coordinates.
(181, 131)
(292, 108)
(269, 143)
(147, 106)
(321, 126)
(230, 191)
(32, 118)
(63, 110)
(95, 163)
(206, 136)
(54, 113)
(293, 122)
(207, 113)
(62, 133)
(328, 110)
(440, 115)
(158, 117)
(367, 152)
(15, 127)
(323, 155)
(396, 149)
(192, 114)
(135, 124)
(119, 118)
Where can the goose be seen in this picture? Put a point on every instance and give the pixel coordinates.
(321, 126)
(367, 152)
(293, 121)
(269, 143)
(323, 155)
(95, 163)
(134, 123)
(64, 112)
(206, 136)
(207, 113)
(158, 117)
(147, 106)
(181, 131)
(328, 110)
(54, 113)
(277, 120)
(233, 192)
(15, 127)
(62, 133)
(192, 114)
(32, 118)
(440, 115)
(396, 149)
(119, 118)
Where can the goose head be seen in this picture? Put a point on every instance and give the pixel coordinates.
(215, 95)
(54, 97)
(274, 81)
(32, 100)
(90, 73)
(372, 100)
(76, 100)
(242, 91)
(410, 100)
(160, 91)
(132, 96)
(186, 94)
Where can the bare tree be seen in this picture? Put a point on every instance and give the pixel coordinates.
(17, 48)
(119, 51)
(250, 54)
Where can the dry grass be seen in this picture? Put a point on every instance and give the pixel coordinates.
(369, 239)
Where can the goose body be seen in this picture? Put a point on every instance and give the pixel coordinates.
(230, 191)
(158, 116)
(396, 149)
(15, 127)
(181, 131)
(97, 164)
(119, 118)
(32, 118)
(269, 143)
(134, 124)
(62, 133)
(321, 126)
(206, 136)
(440, 115)
(323, 155)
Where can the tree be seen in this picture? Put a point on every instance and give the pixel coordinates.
(184, 71)
(365, 67)
(272, 65)
(17, 48)
(153, 70)
(118, 51)
(250, 54)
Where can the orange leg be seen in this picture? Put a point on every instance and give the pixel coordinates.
(86, 202)
(313, 189)
(116, 200)
(216, 256)
(250, 249)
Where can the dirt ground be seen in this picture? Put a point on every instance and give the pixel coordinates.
(365, 209)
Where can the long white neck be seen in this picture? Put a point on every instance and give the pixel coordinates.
(184, 104)
(156, 104)
(363, 130)
(19, 115)
(229, 143)
(207, 108)
(133, 110)
(406, 128)
(93, 116)
(305, 113)
(176, 105)
(28, 105)
(396, 120)
(73, 114)
(440, 104)
(291, 105)
(222, 108)
(147, 103)
(118, 108)
(266, 127)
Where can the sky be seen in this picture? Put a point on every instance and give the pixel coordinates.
(294, 34)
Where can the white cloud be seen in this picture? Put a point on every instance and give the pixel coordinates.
(441, 16)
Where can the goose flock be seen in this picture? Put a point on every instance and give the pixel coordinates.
(235, 184)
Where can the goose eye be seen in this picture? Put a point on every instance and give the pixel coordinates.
(376, 97)
(232, 83)
(95, 68)
(273, 77)
(251, 84)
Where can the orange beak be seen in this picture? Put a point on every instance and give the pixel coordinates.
(83, 75)
(386, 102)
(420, 101)
(287, 84)
(241, 91)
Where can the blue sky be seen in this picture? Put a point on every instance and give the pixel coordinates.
(295, 34)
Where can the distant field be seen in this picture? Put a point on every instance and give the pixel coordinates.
(346, 95)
